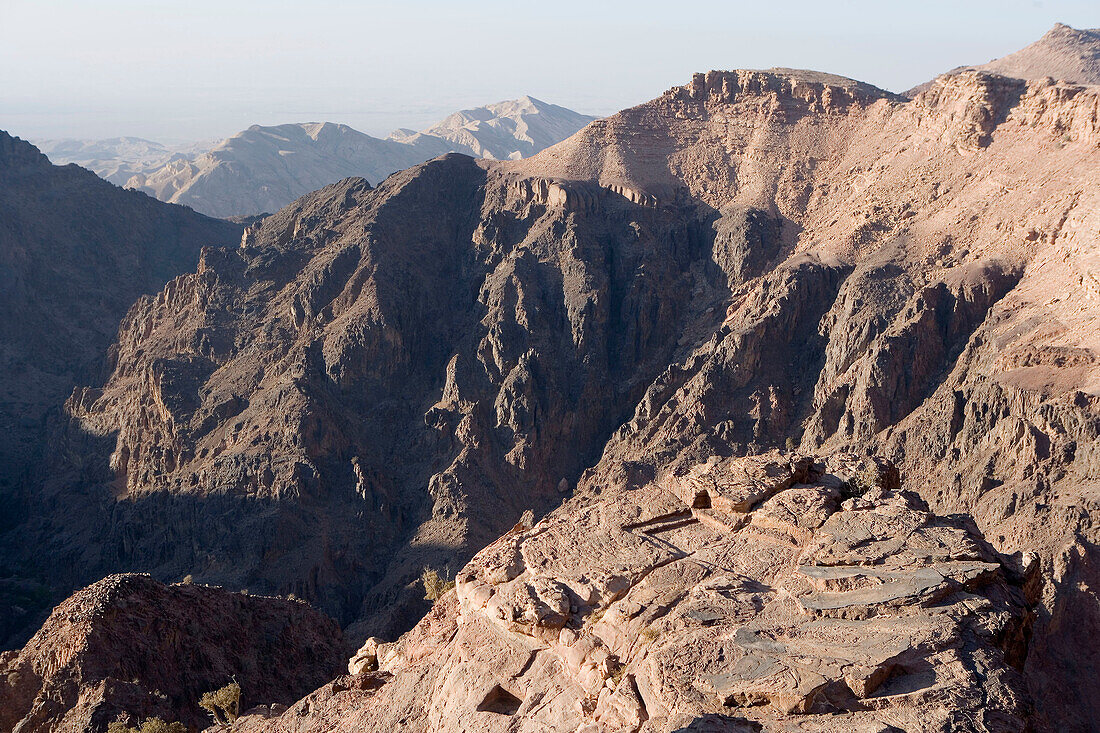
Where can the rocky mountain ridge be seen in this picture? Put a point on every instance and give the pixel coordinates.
(1064, 54)
(75, 252)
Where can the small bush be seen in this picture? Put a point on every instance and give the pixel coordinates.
(789, 445)
(225, 701)
(434, 585)
(867, 479)
(617, 674)
(649, 633)
(151, 725)
(187, 579)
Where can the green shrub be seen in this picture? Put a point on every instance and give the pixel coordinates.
(225, 701)
(151, 725)
(867, 479)
(434, 585)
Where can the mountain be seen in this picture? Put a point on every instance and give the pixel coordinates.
(263, 169)
(1064, 54)
(75, 253)
(504, 131)
(116, 159)
(758, 263)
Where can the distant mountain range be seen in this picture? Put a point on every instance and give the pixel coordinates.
(264, 168)
(118, 159)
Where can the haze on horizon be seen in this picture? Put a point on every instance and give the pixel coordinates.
(171, 73)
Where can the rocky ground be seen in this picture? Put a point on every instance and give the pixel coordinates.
(130, 648)
(775, 590)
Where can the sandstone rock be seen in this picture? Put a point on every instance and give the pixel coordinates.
(366, 659)
(129, 648)
(674, 621)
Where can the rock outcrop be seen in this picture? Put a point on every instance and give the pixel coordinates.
(787, 599)
(129, 648)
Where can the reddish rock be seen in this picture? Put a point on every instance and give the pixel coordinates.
(129, 648)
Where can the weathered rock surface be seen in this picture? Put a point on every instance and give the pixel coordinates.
(75, 252)
(129, 648)
(801, 610)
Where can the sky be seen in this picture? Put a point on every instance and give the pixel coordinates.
(191, 70)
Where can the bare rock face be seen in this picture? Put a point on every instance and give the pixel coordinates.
(381, 379)
(75, 252)
(805, 607)
(129, 648)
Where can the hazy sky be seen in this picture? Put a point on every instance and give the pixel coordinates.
(197, 69)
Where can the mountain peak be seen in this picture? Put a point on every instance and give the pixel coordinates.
(1064, 53)
(15, 152)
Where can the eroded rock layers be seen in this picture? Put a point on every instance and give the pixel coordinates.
(739, 593)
